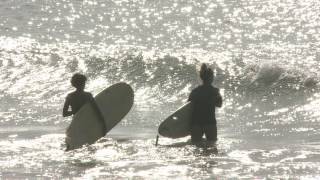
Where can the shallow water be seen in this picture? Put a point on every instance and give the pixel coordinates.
(266, 60)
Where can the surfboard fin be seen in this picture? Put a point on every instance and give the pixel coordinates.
(157, 139)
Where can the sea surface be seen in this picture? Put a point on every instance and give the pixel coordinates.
(266, 58)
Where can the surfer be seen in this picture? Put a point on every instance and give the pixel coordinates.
(204, 99)
(78, 98)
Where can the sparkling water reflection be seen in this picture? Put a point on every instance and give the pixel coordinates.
(266, 60)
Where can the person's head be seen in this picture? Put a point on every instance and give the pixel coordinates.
(206, 74)
(78, 81)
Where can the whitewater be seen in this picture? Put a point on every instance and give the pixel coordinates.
(266, 59)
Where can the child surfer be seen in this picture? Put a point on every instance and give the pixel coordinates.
(77, 99)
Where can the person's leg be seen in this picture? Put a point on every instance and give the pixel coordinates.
(196, 134)
(210, 131)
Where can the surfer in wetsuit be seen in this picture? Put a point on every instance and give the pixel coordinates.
(204, 99)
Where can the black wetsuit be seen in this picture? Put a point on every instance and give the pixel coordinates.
(204, 99)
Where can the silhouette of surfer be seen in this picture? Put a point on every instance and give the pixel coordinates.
(204, 99)
(78, 98)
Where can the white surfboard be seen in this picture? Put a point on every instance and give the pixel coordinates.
(86, 126)
(177, 125)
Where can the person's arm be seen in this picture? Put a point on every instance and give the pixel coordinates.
(218, 99)
(66, 105)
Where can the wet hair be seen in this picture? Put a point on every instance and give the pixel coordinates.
(206, 74)
(78, 80)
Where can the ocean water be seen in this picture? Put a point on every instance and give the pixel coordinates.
(266, 57)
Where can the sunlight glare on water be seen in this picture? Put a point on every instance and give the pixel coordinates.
(265, 55)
